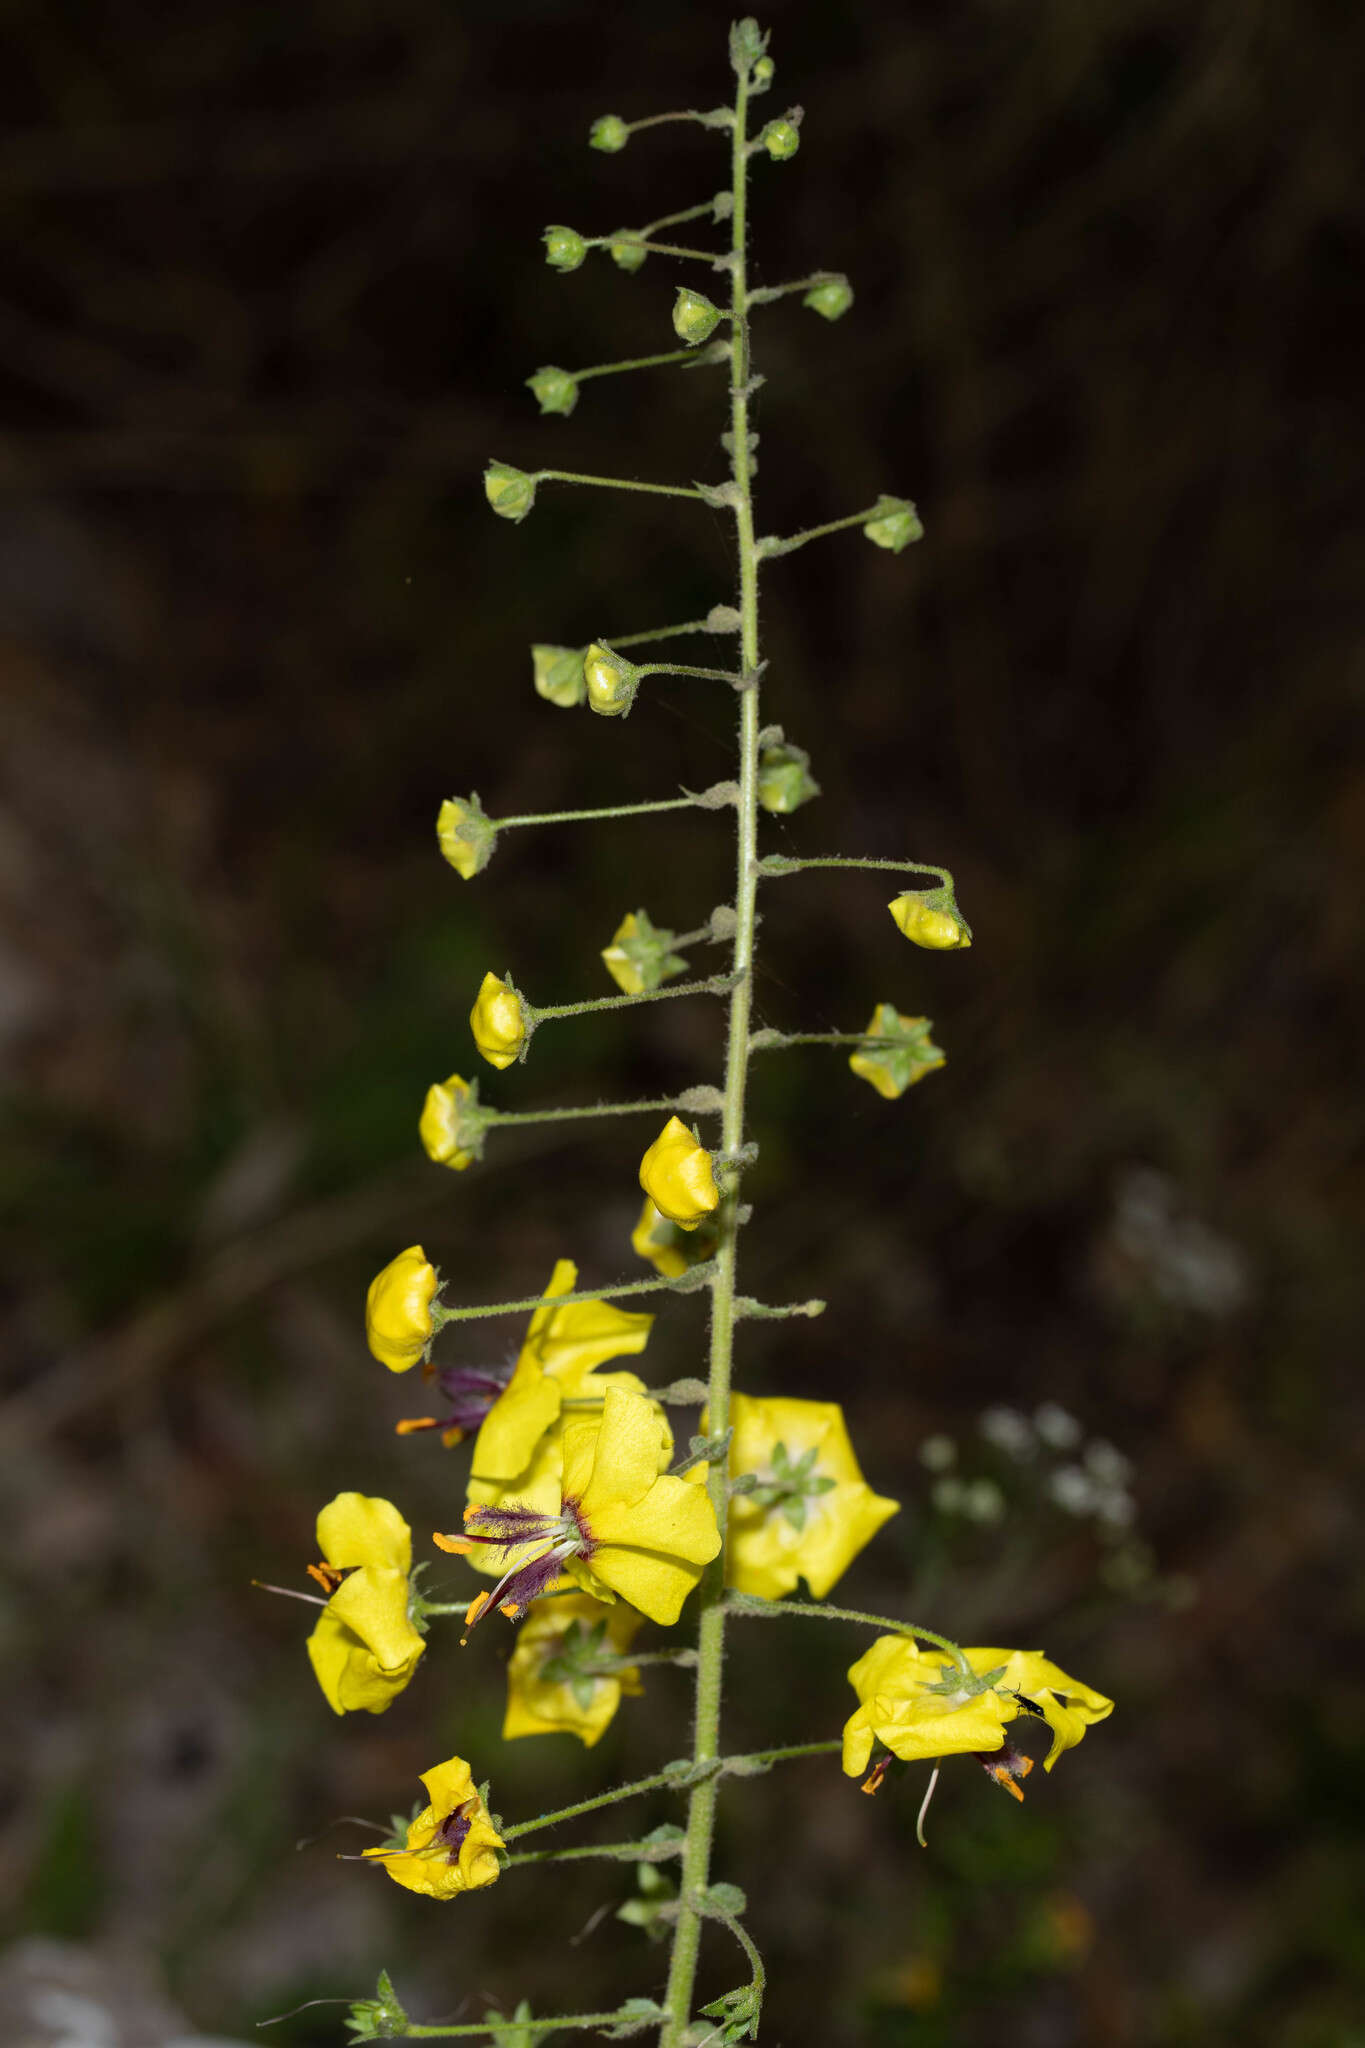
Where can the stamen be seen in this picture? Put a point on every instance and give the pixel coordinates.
(1006, 1769)
(327, 1576)
(872, 1783)
(410, 1424)
(924, 1805)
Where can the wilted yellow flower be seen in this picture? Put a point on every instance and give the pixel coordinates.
(452, 1845)
(919, 1704)
(930, 917)
(551, 1683)
(364, 1648)
(811, 1512)
(398, 1319)
(669, 1248)
(497, 1022)
(638, 957)
(676, 1175)
(465, 835)
(906, 1056)
(623, 1527)
(452, 1125)
(558, 674)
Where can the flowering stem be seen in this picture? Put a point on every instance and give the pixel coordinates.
(773, 545)
(649, 995)
(749, 1762)
(675, 355)
(785, 864)
(658, 248)
(667, 220)
(441, 1314)
(618, 483)
(752, 1607)
(670, 803)
(413, 2032)
(777, 1041)
(710, 675)
(684, 114)
(656, 633)
(798, 284)
(559, 1116)
(701, 1810)
(643, 1851)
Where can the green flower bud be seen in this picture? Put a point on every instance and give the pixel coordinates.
(510, 492)
(907, 1056)
(608, 133)
(784, 783)
(467, 838)
(763, 74)
(638, 957)
(781, 140)
(695, 319)
(930, 917)
(627, 254)
(559, 675)
(556, 390)
(747, 44)
(831, 299)
(565, 248)
(894, 524)
(610, 682)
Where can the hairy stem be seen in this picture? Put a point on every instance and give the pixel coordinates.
(701, 1810)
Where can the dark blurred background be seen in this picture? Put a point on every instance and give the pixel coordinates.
(271, 283)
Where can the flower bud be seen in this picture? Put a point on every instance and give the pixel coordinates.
(670, 1249)
(608, 133)
(556, 390)
(609, 682)
(831, 298)
(763, 74)
(781, 140)
(931, 918)
(510, 492)
(452, 1123)
(909, 1055)
(783, 781)
(894, 524)
(638, 957)
(498, 1023)
(398, 1318)
(747, 44)
(627, 253)
(466, 837)
(695, 319)
(676, 1175)
(565, 248)
(559, 675)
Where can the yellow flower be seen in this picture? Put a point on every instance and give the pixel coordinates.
(638, 957)
(676, 1175)
(623, 1527)
(919, 1704)
(930, 917)
(497, 1022)
(452, 1124)
(465, 835)
(452, 1845)
(551, 1680)
(364, 1648)
(907, 1057)
(812, 1511)
(609, 681)
(667, 1247)
(398, 1319)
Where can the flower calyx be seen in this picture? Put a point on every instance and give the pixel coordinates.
(831, 298)
(695, 317)
(781, 138)
(554, 390)
(465, 835)
(609, 133)
(558, 674)
(931, 918)
(500, 1021)
(895, 1052)
(510, 492)
(784, 778)
(894, 524)
(609, 681)
(639, 957)
(381, 2018)
(565, 248)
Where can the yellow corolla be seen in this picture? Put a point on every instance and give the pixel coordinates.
(919, 1704)
(665, 1245)
(451, 1126)
(930, 917)
(552, 1684)
(465, 835)
(497, 1022)
(452, 1845)
(676, 1175)
(896, 1052)
(811, 1512)
(398, 1320)
(364, 1648)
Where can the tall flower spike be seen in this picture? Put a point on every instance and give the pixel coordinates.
(811, 1511)
(398, 1321)
(364, 1648)
(498, 1021)
(452, 1846)
(677, 1176)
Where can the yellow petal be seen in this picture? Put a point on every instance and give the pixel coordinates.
(621, 1463)
(1068, 1706)
(497, 1022)
(570, 1340)
(449, 1786)
(364, 1648)
(398, 1324)
(514, 1425)
(676, 1175)
(537, 1705)
(439, 1126)
(358, 1528)
(766, 1555)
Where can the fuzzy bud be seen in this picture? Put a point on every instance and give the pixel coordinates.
(559, 675)
(556, 390)
(466, 837)
(452, 1124)
(905, 1056)
(498, 1022)
(565, 248)
(763, 74)
(695, 319)
(608, 133)
(627, 252)
(894, 524)
(669, 1248)
(610, 683)
(676, 1175)
(931, 918)
(831, 298)
(781, 140)
(510, 492)
(639, 956)
(784, 781)
(398, 1320)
